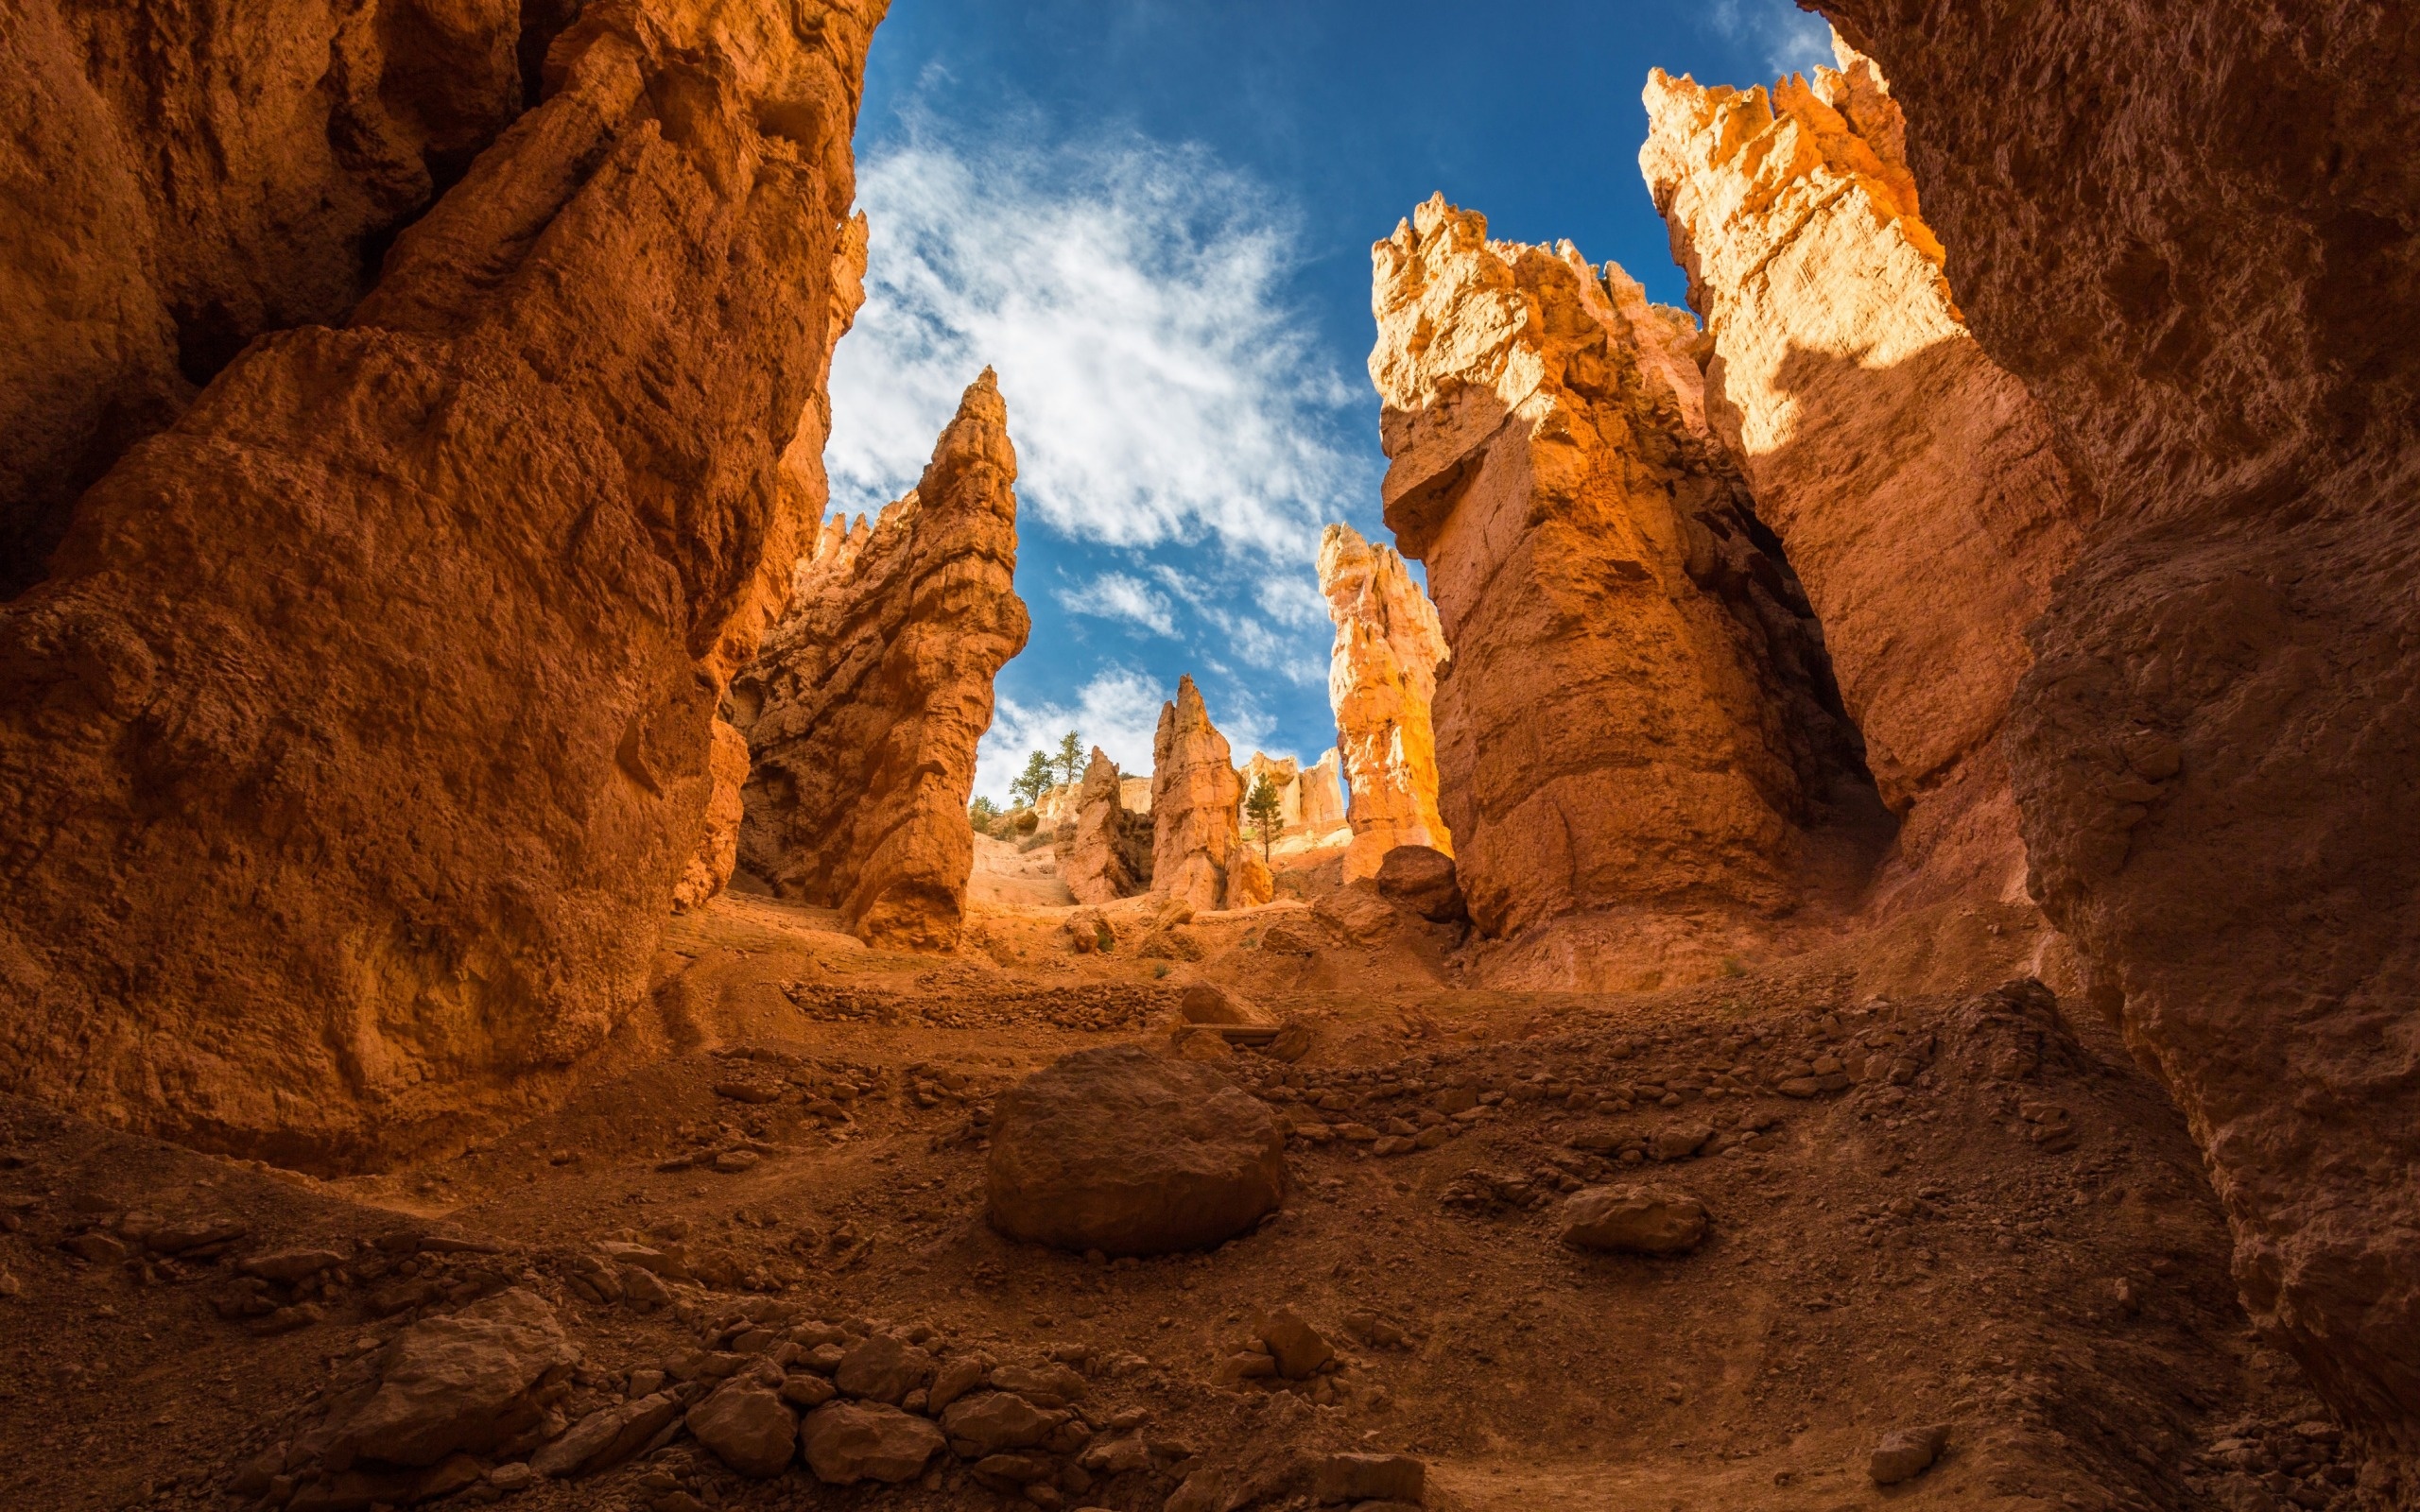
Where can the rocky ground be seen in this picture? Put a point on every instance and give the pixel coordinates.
(1958, 1211)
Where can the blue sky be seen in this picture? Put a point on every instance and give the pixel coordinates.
(1154, 219)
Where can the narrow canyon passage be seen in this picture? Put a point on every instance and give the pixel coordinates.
(1843, 937)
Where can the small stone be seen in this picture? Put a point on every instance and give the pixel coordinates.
(1635, 1220)
(1296, 1346)
(1206, 1003)
(883, 1368)
(845, 1442)
(517, 1476)
(747, 1427)
(1052, 1385)
(607, 1437)
(995, 1421)
(1369, 1478)
(1906, 1454)
(748, 1091)
(447, 1383)
(730, 1163)
(1423, 880)
(954, 1379)
(1679, 1141)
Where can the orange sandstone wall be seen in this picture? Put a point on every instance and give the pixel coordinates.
(2193, 231)
(351, 750)
(1911, 478)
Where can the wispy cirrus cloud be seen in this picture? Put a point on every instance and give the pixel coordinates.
(1131, 295)
(1118, 596)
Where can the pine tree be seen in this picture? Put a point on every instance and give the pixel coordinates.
(1039, 770)
(1071, 757)
(1266, 811)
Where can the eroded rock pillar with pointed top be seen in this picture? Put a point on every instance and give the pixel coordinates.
(1196, 803)
(869, 698)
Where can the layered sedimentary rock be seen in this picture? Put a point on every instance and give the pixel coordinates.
(1195, 799)
(2193, 231)
(1381, 682)
(1111, 855)
(865, 705)
(1321, 792)
(1636, 708)
(1911, 479)
(351, 750)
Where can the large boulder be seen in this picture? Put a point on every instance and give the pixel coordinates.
(748, 1427)
(1422, 881)
(1633, 1220)
(1130, 1153)
(460, 1382)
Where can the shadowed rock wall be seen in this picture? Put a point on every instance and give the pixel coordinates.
(2193, 231)
(351, 749)
(865, 705)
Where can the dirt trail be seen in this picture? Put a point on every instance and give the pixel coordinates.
(1949, 1208)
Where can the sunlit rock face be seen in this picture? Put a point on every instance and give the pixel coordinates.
(1321, 792)
(864, 707)
(1636, 708)
(2190, 231)
(1196, 797)
(1382, 682)
(351, 750)
(189, 181)
(1911, 480)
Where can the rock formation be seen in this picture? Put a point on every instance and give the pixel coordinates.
(1381, 682)
(1637, 707)
(864, 708)
(1321, 792)
(1111, 855)
(1195, 804)
(1283, 775)
(1911, 478)
(2190, 231)
(354, 745)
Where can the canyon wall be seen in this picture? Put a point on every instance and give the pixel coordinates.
(1911, 480)
(1195, 794)
(864, 707)
(354, 745)
(2193, 231)
(1382, 685)
(1320, 792)
(1636, 709)
(185, 178)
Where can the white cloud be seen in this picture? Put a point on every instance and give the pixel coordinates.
(1785, 38)
(1292, 598)
(1117, 596)
(1118, 710)
(1129, 294)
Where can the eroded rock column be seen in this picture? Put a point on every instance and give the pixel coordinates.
(1636, 708)
(1196, 820)
(1911, 479)
(1111, 855)
(864, 708)
(351, 752)
(2193, 231)
(1381, 682)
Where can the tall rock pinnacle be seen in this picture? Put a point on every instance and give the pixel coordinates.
(1196, 803)
(864, 708)
(1381, 681)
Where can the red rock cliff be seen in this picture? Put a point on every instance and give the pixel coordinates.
(1636, 708)
(351, 750)
(2193, 231)
(1911, 479)
(863, 710)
